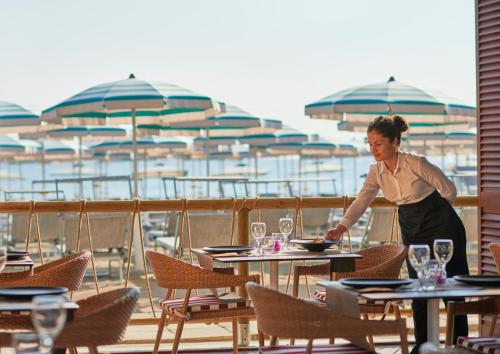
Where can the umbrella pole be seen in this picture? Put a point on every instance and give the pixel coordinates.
(80, 187)
(134, 151)
(355, 177)
(43, 167)
(207, 149)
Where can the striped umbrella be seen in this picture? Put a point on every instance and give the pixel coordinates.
(360, 104)
(129, 96)
(15, 119)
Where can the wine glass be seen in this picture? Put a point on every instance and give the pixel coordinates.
(48, 317)
(443, 250)
(419, 256)
(258, 231)
(286, 227)
(3, 253)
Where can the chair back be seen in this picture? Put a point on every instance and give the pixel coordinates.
(50, 227)
(378, 262)
(281, 315)
(208, 229)
(378, 228)
(495, 252)
(108, 230)
(65, 272)
(100, 320)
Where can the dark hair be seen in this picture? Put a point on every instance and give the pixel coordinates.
(389, 127)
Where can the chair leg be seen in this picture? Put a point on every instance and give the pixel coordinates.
(309, 346)
(274, 340)
(261, 338)
(178, 334)
(72, 351)
(493, 324)
(450, 316)
(403, 336)
(159, 332)
(235, 335)
(295, 293)
(93, 350)
(369, 336)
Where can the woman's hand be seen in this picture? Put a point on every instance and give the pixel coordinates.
(336, 233)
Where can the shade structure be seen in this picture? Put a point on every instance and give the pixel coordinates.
(414, 127)
(17, 119)
(130, 95)
(10, 146)
(360, 104)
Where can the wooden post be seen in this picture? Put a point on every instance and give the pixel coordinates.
(243, 214)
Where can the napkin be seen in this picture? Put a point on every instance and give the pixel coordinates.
(227, 254)
(375, 289)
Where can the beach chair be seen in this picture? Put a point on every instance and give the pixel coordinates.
(50, 232)
(110, 234)
(173, 274)
(379, 228)
(282, 316)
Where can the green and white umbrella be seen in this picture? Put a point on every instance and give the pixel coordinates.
(130, 95)
(362, 103)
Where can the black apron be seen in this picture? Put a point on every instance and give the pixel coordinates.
(430, 219)
(421, 223)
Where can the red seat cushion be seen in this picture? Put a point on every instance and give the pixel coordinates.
(321, 296)
(329, 348)
(202, 303)
(487, 345)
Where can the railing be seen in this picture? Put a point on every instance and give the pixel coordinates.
(240, 207)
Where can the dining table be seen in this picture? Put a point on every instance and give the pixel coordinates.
(451, 288)
(340, 261)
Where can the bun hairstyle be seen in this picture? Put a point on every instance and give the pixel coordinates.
(389, 127)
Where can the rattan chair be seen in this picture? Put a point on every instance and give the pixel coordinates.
(280, 315)
(173, 274)
(67, 272)
(378, 262)
(495, 252)
(489, 306)
(100, 320)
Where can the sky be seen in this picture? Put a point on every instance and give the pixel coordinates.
(269, 57)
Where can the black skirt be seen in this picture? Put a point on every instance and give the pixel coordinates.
(434, 218)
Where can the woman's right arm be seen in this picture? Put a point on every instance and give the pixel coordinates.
(365, 196)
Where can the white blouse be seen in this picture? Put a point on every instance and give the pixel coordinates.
(413, 180)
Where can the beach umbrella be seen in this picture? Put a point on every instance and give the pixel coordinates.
(362, 103)
(14, 118)
(130, 95)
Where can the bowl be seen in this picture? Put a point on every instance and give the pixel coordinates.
(312, 246)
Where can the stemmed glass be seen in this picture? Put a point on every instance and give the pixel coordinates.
(286, 227)
(443, 250)
(48, 317)
(419, 256)
(258, 231)
(3, 253)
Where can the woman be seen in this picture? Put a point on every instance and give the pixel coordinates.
(424, 196)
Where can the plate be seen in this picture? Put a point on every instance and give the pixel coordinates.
(360, 283)
(483, 280)
(224, 249)
(28, 293)
(13, 255)
(312, 246)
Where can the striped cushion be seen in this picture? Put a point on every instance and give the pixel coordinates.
(202, 303)
(321, 296)
(487, 345)
(331, 348)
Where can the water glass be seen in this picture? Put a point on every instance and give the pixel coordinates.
(286, 227)
(26, 343)
(419, 256)
(258, 231)
(277, 241)
(48, 317)
(267, 245)
(443, 251)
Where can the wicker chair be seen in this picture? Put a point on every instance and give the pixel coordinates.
(100, 320)
(310, 322)
(489, 306)
(495, 252)
(174, 274)
(378, 262)
(65, 272)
